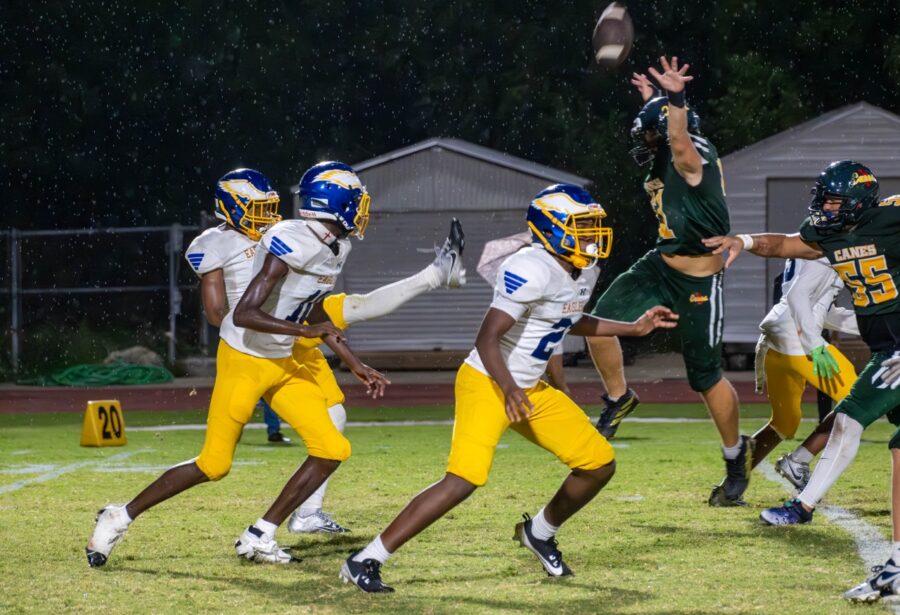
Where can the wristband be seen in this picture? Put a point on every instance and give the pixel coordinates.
(676, 99)
(747, 241)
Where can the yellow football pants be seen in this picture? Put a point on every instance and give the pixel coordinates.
(287, 386)
(306, 351)
(787, 377)
(557, 425)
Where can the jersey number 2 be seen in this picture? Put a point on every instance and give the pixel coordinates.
(548, 342)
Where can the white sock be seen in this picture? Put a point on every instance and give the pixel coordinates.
(375, 550)
(895, 553)
(123, 512)
(266, 527)
(732, 452)
(843, 443)
(612, 399)
(802, 455)
(541, 528)
(386, 299)
(313, 503)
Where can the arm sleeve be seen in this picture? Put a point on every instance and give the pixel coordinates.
(810, 285)
(520, 282)
(203, 256)
(841, 320)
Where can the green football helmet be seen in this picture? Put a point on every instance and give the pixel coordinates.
(853, 184)
(655, 116)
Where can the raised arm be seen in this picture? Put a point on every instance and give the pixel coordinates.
(250, 315)
(768, 245)
(212, 294)
(658, 317)
(685, 157)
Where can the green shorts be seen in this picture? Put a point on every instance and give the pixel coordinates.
(697, 301)
(870, 398)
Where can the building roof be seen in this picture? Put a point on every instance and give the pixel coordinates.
(477, 152)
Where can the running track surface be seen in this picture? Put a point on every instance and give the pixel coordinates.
(73, 399)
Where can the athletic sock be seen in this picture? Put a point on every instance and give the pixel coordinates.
(375, 550)
(732, 452)
(612, 399)
(541, 528)
(802, 455)
(895, 553)
(386, 299)
(843, 444)
(266, 527)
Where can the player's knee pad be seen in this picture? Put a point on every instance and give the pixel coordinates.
(785, 424)
(338, 415)
(336, 448)
(595, 452)
(213, 466)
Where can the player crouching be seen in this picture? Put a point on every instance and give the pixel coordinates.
(539, 296)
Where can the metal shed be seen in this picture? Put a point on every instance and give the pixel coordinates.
(768, 186)
(415, 192)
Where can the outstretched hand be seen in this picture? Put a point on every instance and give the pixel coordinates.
(657, 317)
(643, 85)
(672, 79)
(374, 380)
(721, 243)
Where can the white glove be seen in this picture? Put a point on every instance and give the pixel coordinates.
(891, 374)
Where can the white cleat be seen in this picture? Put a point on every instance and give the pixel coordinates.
(795, 472)
(885, 580)
(448, 259)
(255, 546)
(112, 522)
(316, 523)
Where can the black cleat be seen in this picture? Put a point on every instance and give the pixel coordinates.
(278, 438)
(366, 575)
(546, 551)
(730, 491)
(614, 412)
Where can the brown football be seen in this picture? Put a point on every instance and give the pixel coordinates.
(613, 36)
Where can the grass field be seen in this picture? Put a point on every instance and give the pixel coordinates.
(647, 544)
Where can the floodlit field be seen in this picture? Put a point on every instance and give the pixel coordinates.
(647, 544)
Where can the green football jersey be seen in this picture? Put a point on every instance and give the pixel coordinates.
(867, 257)
(687, 214)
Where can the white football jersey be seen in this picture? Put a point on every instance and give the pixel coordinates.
(224, 248)
(312, 272)
(808, 291)
(533, 288)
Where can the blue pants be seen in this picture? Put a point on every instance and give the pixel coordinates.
(273, 422)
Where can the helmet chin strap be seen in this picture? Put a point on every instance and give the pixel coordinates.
(324, 235)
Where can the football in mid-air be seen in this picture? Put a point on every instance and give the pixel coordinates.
(613, 36)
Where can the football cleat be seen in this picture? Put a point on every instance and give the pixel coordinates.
(255, 546)
(317, 523)
(112, 522)
(546, 551)
(279, 438)
(448, 258)
(366, 575)
(885, 581)
(792, 513)
(737, 477)
(795, 472)
(614, 412)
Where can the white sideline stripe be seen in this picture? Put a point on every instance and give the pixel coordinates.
(200, 427)
(43, 478)
(872, 547)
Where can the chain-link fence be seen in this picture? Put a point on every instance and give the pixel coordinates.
(76, 294)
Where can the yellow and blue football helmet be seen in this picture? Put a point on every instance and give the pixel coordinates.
(566, 220)
(332, 191)
(246, 201)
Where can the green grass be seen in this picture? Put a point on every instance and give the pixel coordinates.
(647, 544)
